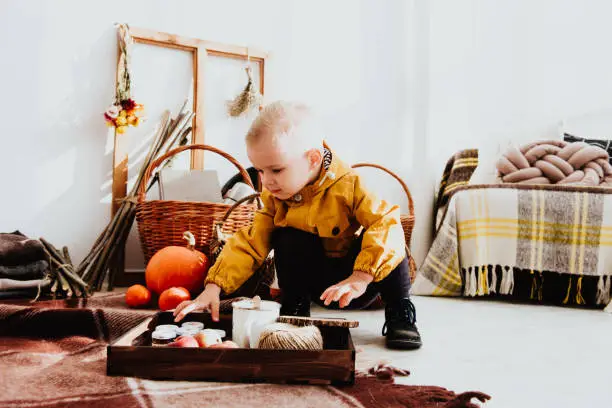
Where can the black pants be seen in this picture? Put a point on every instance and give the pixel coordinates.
(303, 270)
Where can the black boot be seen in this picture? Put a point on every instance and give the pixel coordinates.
(400, 327)
(295, 306)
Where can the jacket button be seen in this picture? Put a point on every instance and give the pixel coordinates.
(297, 197)
(336, 231)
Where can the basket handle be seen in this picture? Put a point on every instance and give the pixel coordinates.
(239, 202)
(161, 159)
(395, 176)
(219, 224)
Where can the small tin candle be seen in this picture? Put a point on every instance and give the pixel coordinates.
(187, 331)
(195, 325)
(170, 327)
(160, 338)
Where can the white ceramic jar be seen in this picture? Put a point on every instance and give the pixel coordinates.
(249, 319)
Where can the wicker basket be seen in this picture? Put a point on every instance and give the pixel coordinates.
(407, 220)
(161, 223)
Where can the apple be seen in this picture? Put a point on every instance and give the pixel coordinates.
(207, 338)
(226, 344)
(184, 341)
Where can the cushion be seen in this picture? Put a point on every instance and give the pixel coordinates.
(604, 144)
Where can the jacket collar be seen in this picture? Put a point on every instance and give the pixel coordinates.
(337, 169)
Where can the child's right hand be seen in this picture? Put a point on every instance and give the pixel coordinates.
(208, 300)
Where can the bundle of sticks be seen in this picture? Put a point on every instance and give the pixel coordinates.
(64, 281)
(96, 267)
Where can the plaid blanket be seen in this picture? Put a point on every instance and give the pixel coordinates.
(53, 354)
(550, 244)
(457, 173)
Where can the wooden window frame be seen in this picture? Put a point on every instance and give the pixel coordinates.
(200, 51)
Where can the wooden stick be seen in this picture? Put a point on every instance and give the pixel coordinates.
(74, 278)
(181, 137)
(64, 274)
(50, 248)
(95, 267)
(67, 256)
(87, 268)
(158, 143)
(73, 288)
(64, 283)
(100, 242)
(177, 136)
(54, 287)
(109, 250)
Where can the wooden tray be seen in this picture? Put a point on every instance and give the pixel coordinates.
(132, 355)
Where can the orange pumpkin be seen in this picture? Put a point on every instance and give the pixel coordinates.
(177, 266)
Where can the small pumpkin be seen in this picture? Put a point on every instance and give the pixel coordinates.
(176, 266)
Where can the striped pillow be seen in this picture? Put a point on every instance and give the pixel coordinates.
(604, 144)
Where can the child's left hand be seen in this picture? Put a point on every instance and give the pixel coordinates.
(345, 291)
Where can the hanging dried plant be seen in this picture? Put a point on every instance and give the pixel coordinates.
(246, 100)
(124, 112)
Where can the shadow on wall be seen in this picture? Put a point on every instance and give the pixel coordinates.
(76, 211)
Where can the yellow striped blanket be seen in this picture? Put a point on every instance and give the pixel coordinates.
(551, 244)
(457, 173)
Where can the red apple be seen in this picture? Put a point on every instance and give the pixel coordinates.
(184, 341)
(207, 338)
(226, 344)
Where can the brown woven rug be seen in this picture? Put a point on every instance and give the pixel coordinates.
(53, 354)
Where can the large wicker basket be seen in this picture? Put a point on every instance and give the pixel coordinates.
(407, 220)
(161, 223)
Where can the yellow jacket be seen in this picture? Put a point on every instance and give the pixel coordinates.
(333, 207)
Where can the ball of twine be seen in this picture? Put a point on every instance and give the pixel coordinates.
(285, 336)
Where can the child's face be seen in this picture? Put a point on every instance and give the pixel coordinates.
(284, 171)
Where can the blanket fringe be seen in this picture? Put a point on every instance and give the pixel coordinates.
(483, 281)
(385, 371)
(579, 299)
(537, 284)
(493, 281)
(603, 290)
(471, 282)
(569, 289)
(541, 291)
(465, 400)
(507, 283)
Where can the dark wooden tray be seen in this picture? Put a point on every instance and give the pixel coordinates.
(132, 355)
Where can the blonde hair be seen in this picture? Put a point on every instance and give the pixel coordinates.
(286, 119)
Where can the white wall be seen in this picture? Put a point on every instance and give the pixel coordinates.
(401, 83)
(503, 71)
(348, 58)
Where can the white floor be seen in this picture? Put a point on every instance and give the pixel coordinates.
(521, 355)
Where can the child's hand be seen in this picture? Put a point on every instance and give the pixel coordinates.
(347, 290)
(208, 300)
